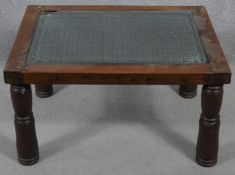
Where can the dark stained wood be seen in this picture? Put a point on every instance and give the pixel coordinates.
(117, 74)
(188, 91)
(216, 71)
(26, 139)
(212, 75)
(14, 69)
(43, 91)
(208, 138)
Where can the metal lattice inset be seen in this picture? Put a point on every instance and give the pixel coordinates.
(116, 37)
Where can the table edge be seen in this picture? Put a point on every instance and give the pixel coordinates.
(16, 71)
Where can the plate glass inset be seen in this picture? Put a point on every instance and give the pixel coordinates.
(116, 37)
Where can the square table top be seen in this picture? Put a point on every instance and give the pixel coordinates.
(116, 45)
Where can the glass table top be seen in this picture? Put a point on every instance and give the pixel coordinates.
(116, 37)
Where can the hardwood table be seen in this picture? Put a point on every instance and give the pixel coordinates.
(152, 45)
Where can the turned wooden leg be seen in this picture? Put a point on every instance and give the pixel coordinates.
(188, 91)
(208, 137)
(26, 139)
(44, 91)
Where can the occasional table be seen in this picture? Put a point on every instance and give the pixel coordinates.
(151, 45)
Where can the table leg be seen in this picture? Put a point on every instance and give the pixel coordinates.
(44, 91)
(188, 91)
(26, 139)
(208, 137)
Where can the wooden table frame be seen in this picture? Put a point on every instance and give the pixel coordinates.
(212, 75)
